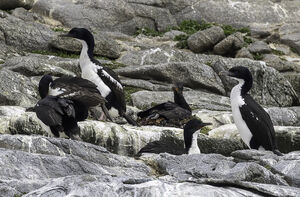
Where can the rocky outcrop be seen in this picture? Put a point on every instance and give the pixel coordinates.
(194, 75)
(230, 44)
(205, 40)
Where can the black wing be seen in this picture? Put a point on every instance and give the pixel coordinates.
(155, 109)
(79, 89)
(49, 111)
(111, 79)
(259, 123)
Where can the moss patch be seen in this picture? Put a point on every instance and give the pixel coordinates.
(128, 90)
(257, 56)
(205, 130)
(59, 29)
(228, 30)
(148, 32)
(276, 52)
(2, 61)
(247, 40)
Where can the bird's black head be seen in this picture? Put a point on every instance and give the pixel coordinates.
(240, 72)
(79, 33)
(44, 85)
(177, 87)
(189, 129)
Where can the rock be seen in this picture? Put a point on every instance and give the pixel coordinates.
(34, 65)
(294, 79)
(173, 33)
(289, 116)
(194, 75)
(104, 45)
(259, 47)
(215, 166)
(7, 51)
(147, 85)
(281, 49)
(11, 4)
(196, 99)
(287, 165)
(25, 15)
(226, 12)
(205, 40)
(290, 35)
(25, 35)
(16, 89)
(277, 63)
(244, 53)
(230, 44)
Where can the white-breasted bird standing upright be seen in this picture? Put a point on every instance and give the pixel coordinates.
(252, 121)
(106, 80)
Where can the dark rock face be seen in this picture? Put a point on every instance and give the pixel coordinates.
(206, 39)
(11, 4)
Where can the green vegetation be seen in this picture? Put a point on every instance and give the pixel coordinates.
(59, 29)
(190, 26)
(148, 32)
(257, 56)
(2, 61)
(205, 130)
(228, 30)
(58, 53)
(128, 91)
(294, 50)
(113, 64)
(182, 44)
(247, 40)
(277, 52)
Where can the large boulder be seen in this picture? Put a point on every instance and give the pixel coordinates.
(17, 89)
(35, 65)
(290, 35)
(230, 44)
(202, 41)
(194, 75)
(11, 4)
(25, 35)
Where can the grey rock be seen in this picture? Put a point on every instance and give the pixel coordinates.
(173, 33)
(205, 40)
(11, 4)
(194, 75)
(7, 51)
(226, 12)
(196, 99)
(294, 79)
(289, 116)
(290, 35)
(277, 63)
(25, 15)
(16, 89)
(230, 44)
(216, 166)
(35, 65)
(259, 47)
(25, 35)
(147, 85)
(287, 165)
(104, 45)
(244, 53)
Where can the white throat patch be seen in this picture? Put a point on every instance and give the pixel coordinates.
(236, 102)
(194, 149)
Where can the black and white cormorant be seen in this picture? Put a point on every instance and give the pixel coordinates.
(106, 80)
(174, 146)
(253, 122)
(168, 113)
(65, 101)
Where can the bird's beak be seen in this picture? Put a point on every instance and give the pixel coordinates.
(206, 123)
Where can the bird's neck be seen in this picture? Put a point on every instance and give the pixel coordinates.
(86, 54)
(194, 149)
(180, 100)
(44, 89)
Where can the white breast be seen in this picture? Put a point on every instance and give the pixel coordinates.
(236, 102)
(56, 91)
(194, 149)
(89, 71)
